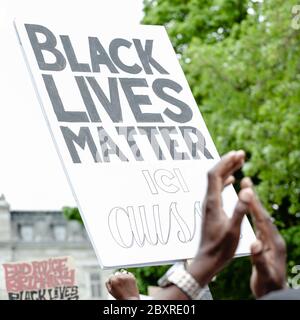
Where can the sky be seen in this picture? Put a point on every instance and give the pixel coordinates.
(31, 175)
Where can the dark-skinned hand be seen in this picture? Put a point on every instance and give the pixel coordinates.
(123, 286)
(220, 233)
(268, 253)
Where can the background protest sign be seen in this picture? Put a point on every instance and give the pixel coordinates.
(50, 279)
(131, 139)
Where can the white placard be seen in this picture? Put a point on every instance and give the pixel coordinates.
(131, 139)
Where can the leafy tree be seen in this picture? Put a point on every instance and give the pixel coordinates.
(241, 59)
(72, 214)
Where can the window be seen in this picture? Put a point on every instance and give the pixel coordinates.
(95, 281)
(75, 231)
(26, 232)
(59, 232)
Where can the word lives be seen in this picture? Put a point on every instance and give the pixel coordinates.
(58, 293)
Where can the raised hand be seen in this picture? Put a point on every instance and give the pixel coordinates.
(220, 234)
(268, 253)
(123, 286)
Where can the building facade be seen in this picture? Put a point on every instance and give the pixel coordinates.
(37, 235)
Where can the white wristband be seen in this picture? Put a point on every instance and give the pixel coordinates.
(187, 283)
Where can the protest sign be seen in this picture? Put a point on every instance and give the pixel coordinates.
(133, 144)
(50, 279)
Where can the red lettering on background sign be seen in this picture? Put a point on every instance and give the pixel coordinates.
(38, 275)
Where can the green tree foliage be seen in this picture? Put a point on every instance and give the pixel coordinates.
(242, 61)
(148, 276)
(243, 69)
(72, 214)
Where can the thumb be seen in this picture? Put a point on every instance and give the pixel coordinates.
(258, 259)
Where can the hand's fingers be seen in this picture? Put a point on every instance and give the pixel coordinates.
(131, 275)
(246, 183)
(238, 163)
(229, 163)
(268, 231)
(255, 205)
(228, 181)
(245, 195)
(258, 259)
(218, 175)
(237, 217)
(248, 196)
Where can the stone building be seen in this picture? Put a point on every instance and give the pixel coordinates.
(35, 235)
